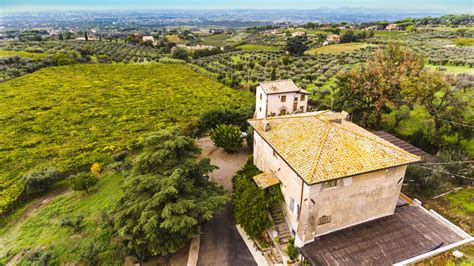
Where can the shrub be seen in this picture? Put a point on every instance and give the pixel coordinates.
(212, 118)
(119, 157)
(96, 169)
(90, 255)
(41, 180)
(74, 224)
(39, 258)
(228, 137)
(83, 182)
(292, 251)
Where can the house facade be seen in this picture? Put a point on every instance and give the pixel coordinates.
(280, 98)
(341, 190)
(333, 174)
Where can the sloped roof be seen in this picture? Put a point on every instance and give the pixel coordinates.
(281, 86)
(409, 232)
(265, 180)
(322, 146)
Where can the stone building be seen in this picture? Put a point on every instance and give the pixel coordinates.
(335, 176)
(280, 98)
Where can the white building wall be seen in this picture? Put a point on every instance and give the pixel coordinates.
(290, 183)
(271, 104)
(261, 103)
(354, 200)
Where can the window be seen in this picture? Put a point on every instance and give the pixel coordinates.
(260, 96)
(260, 108)
(283, 98)
(325, 219)
(332, 183)
(302, 97)
(292, 205)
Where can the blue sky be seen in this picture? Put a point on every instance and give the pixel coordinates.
(465, 6)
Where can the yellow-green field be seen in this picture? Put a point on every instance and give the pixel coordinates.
(72, 116)
(175, 39)
(337, 48)
(34, 56)
(215, 40)
(257, 47)
(452, 69)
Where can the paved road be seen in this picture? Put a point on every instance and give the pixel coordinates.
(221, 244)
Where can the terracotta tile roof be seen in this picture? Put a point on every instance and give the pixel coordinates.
(265, 180)
(322, 146)
(281, 86)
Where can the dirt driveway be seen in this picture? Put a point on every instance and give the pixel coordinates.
(228, 164)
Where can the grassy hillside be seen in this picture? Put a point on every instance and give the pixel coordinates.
(72, 116)
(42, 229)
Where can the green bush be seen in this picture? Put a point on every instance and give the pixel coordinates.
(90, 255)
(38, 258)
(212, 118)
(292, 250)
(74, 224)
(228, 137)
(41, 180)
(83, 182)
(251, 204)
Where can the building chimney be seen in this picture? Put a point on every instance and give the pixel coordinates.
(267, 127)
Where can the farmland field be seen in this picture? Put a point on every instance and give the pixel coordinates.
(336, 48)
(33, 56)
(215, 40)
(256, 47)
(452, 69)
(69, 117)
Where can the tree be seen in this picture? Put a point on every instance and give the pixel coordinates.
(273, 74)
(83, 182)
(228, 137)
(41, 180)
(296, 46)
(180, 53)
(433, 91)
(167, 197)
(369, 91)
(211, 119)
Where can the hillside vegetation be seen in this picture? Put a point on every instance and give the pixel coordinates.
(72, 116)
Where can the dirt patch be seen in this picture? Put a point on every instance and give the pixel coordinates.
(228, 163)
(38, 204)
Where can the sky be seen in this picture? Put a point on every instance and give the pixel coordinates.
(458, 6)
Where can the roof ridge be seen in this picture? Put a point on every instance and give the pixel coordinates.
(301, 115)
(320, 149)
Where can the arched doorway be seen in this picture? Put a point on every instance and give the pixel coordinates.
(283, 111)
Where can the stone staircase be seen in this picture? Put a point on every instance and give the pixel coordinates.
(281, 226)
